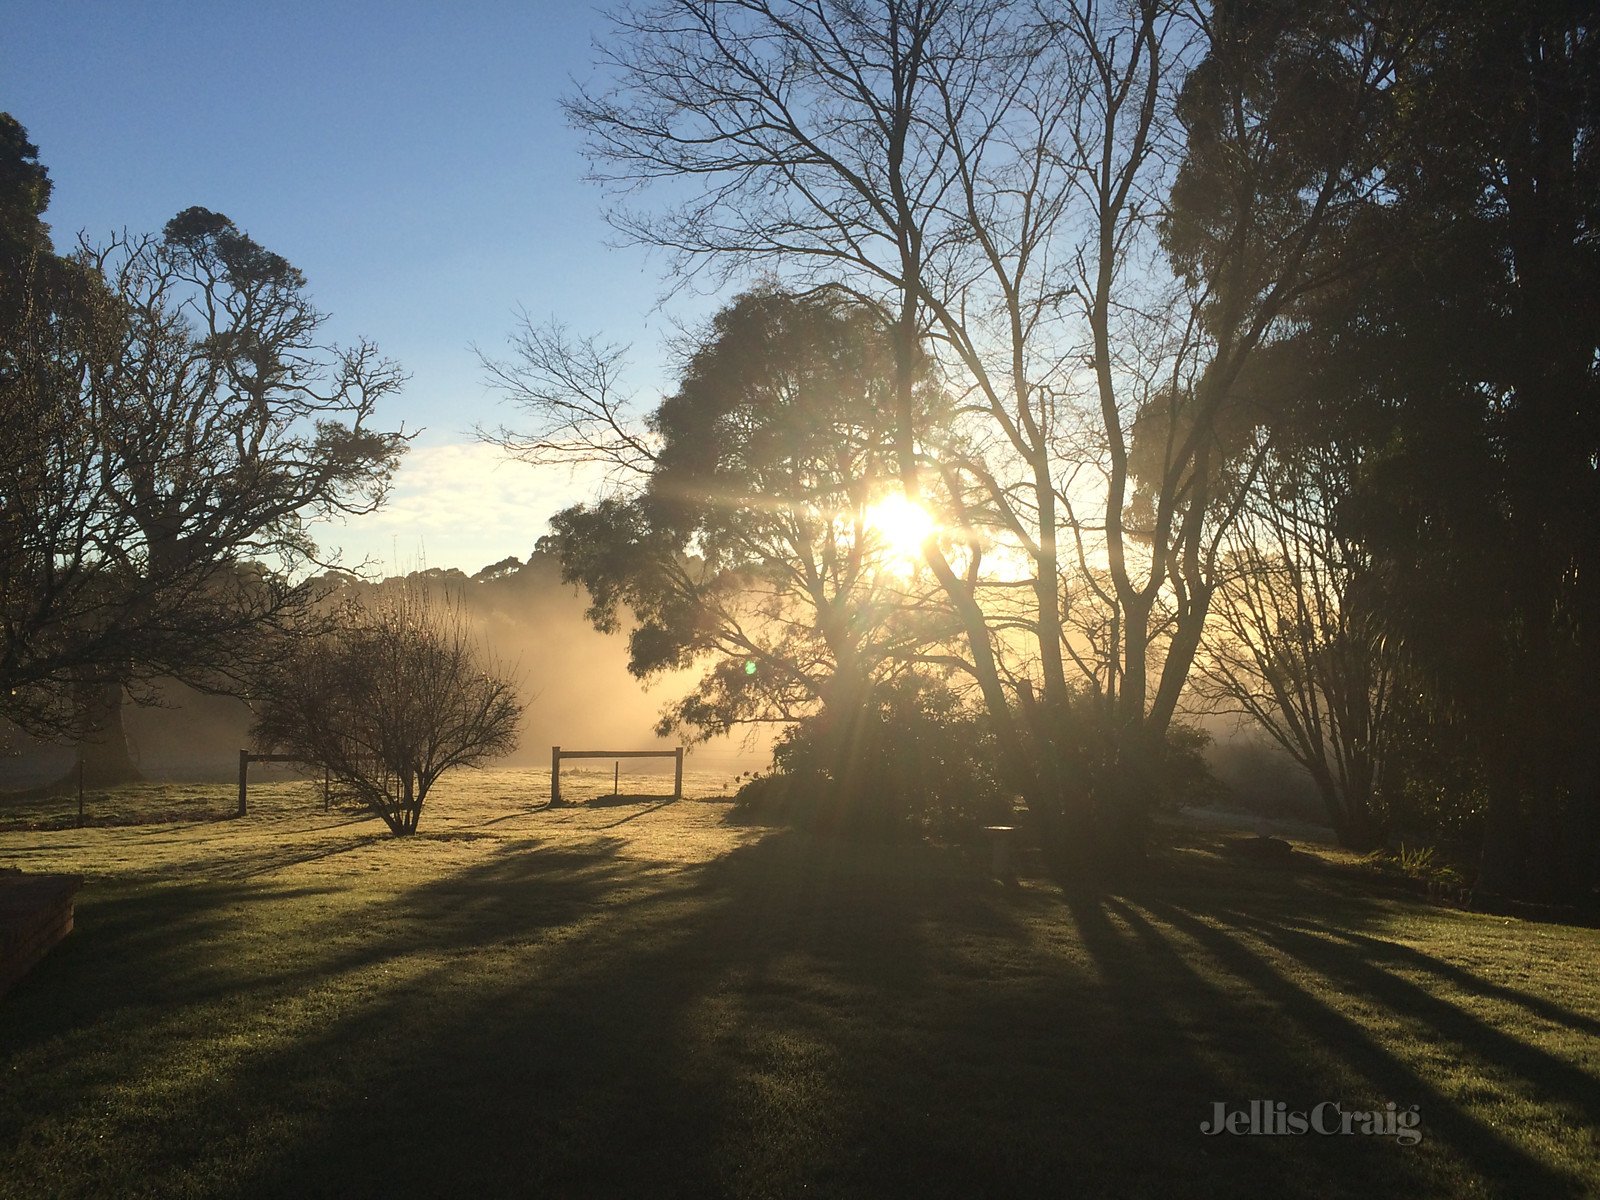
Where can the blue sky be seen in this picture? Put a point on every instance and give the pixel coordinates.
(410, 158)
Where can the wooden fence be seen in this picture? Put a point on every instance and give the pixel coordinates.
(246, 757)
(557, 754)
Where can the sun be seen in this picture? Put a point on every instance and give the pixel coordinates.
(901, 525)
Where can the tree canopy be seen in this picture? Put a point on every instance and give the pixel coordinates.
(748, 538)
(1455, 371)
(1011, 189)
(175, 424)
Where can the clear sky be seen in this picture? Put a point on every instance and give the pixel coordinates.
(410, 158)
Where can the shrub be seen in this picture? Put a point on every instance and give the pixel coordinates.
(912, 760)
(387, 697)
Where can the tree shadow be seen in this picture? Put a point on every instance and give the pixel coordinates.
(1345, 965)
(622, 799)
(717, 1030)
(643, 812)
(1288, 993)
(1378, 950)
(806, 1014)
(801, 1014)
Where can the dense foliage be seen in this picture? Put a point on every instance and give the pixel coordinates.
(912, 760)
(1435, 422)
(1274, 331)
(746, 545)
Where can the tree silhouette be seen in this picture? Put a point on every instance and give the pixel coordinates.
(994, 180)
(1295, 644)
(744, 538)
(178, 425)
(1454, 356)
(387, 697)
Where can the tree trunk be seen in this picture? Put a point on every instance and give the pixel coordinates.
(410, 806)
(103, 747)
(106, 760)
(1350, 817)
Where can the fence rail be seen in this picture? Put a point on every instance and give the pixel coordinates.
(246, 757)
(557, 754)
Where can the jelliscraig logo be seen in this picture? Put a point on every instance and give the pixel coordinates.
(1274, 1118)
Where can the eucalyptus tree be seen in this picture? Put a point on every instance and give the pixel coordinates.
(178, 423)
(1462, 359)
(746, 531)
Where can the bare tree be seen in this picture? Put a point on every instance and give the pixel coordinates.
(572, 389)
(397, 692)
(1292, 645)
(997, 179)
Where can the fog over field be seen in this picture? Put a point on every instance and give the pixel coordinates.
(574, 679)
(579, 695)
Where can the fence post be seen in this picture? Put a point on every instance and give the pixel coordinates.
(677, 778)
(555, 774)
(244, 767)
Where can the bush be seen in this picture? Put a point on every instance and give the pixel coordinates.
(912, 760)
(1421, 863)
(1095, 807)
(766, 799)
(387, 697)
(1186, 777)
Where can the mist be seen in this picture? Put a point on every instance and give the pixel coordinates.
(573, 679)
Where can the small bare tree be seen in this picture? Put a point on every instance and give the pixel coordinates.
(397, 692)
(1294, 644)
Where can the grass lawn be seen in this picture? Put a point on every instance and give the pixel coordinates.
(637, 998)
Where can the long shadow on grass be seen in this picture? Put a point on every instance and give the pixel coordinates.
(1488, 1047)
(806, 1016)
(158, 1044)
(1378, 950)
(801, 1016)
(1183, 1036)
(1337, 1057)
(175, 946)
(762, 1023)
(1296, 1026)
(134, 947)
(643, 812)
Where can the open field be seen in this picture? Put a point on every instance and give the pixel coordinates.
(283, 790)
(639, 998)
